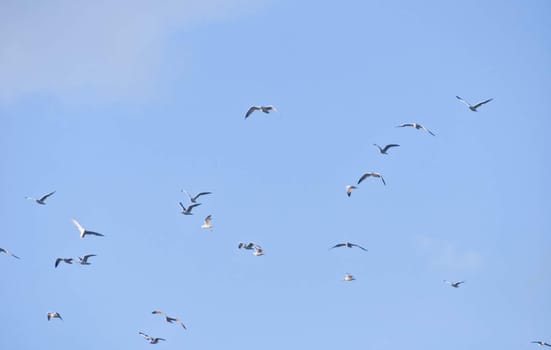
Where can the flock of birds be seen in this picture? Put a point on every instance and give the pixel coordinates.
(251, 246)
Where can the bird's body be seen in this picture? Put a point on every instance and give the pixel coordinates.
(265, 109)
(416, 126)
(187, 211)
(366, 175)
(258, 251)
(454, 284)
(193, 199)
(206, 223)
(84, 232)
(151, 340)
(84, 261)
(65, 260)
(541, 343)
(348, 277)
(53, 314)
(2, 250)
(348, 245)
(42, 199)
(383, 150)
(349, 189)
(476, 105)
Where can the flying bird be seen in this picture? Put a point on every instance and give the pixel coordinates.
(416, 126)
(349, 189)
(383, 150)
(84, 261)
(2, 250)
(348, 277)
(42, 199)
(541, 343)
(366, 175)
(187, 211)
(52, 314)
(168, 318)
(454, 284)
(151, 340)
(248, 246)
(476, 105)
(265, 109)
(206, 223)
(193, 199)
(84, 232)
(65, 260)
(348, 245)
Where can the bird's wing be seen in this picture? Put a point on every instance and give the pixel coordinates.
(156, 312)
(547, 344)
(80, 228)
(144, 335)
(189, 196)
(191, 206)
(46, 196)
(184, 208)
(384, 183)
(481, 103)
(427, 130)
(87, 256)
(462, 100)
(458, 283)
(389, 146)
(92, 233)
(57, 261)
(251, 109)
(379, 147)
(405, 124)
(364, 176)
(200, 194)
(183, 325)
(207, 219)
(338, 245)
(359, 246)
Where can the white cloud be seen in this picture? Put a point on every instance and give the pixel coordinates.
(106, 48)
(443, 254)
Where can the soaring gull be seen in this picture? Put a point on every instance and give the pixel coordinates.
(42, 199)
(416, 126)
(454, 284)
(366, 175)
(348, 245)
(476, 105)
(206, 222)
(53, 314)
(151, 340)
(265, 109)
(384, 149)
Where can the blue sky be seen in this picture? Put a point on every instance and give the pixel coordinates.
(118, 107)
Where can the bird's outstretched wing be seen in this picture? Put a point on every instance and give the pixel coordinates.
(57, 261)
(43, 198)
(157, 312)
(338, 245)
(208, 219)
(364, 176)
(200, 194)
(85, 258)
(403, 125)
(382, 179)
(183, 208)
(427, 130)
(251, 110)
(387, 147)
(359, 246)
(80, 228)
(191, 206)
(481, 103)
(462, 100)
(92, 233)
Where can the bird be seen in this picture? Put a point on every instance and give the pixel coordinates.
(416, 126)
(454, 284)
(151, 340)
(258, 251)
(265, 109)
(168, 318)
(348, 277)
(193, 199)
(53, 314)
(383, 150)
(187, 211)
(42, 199)
(84, 232)
(348, 245)
(349, 189)
(2, 250)
(65, 260)
(541, 343)
(248, 246)
(366, 175)
(84, 261)
(206, 222)
(476, 105)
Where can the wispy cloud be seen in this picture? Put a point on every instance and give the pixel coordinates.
(443, 254)
(106, 48)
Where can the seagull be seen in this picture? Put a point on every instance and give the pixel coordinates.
(2, 250)
(53, 314)
(416, 126)
(366, 175)
(84, 261)
(454, 284)
(206, 222)
(349, 189)
(248, 246)
(65, 260)
(187, 211)
(168, 318)
(193, 199)
(475, 106)
(84, 232)
(151, 340)
(41, 199)
(348, 277)
(541, 343)
(348, 245)
(258, 251)
(383, 150)
(265, 109)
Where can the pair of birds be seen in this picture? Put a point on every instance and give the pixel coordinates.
(82, 261)
(258, 251)
(193, 204)
(348, 277)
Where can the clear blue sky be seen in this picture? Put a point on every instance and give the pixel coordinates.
(118, 107)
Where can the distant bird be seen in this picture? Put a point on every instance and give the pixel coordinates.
(348, 245)
(187, 211)
(65, 260)
(168, 318)
(349, 189)
(348, 277)
(151, 340)
(454, 284)
(265, 109)
(206, 223)
(366, 175)
(42, 199)
(2, 250)
(157, 312)
(84, 261)
(541, 343)
(84, 232)
(258, 251)
(416, 126)
(193, 199)
(383, 150)
(248, 246)
(52, 314)
(475, 106)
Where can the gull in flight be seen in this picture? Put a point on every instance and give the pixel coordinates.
(454, 284)
(42, 199)
(84, 232)
(187, 211)
(2, 250)
(53, 314)
(348, 277)
(258, 251)
(348, 245)
(84, 261)
(383, 150)
(151, 340)
(475, 106)
(265, 109)
(193, 199)
(366, 175)
(541, 343)
(416, 126)
(206, 223)
(65, 260)
(168, 318)
(248, 246)
(349, 189)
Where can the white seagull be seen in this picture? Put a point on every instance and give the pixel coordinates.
(454, 284)
(2, 250)
(42, 199)
(53, 314)
(206, 223)
(265, 109)
(476, 105)
(349, 189)
(366, 175)
(348, 277)
(151, 340)
(187, 211)
(348, 245)
(193, 199)
(383, 150)
(84, 232)
(416, 126)
(84, 261)
(541, 343)
(65, 260)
